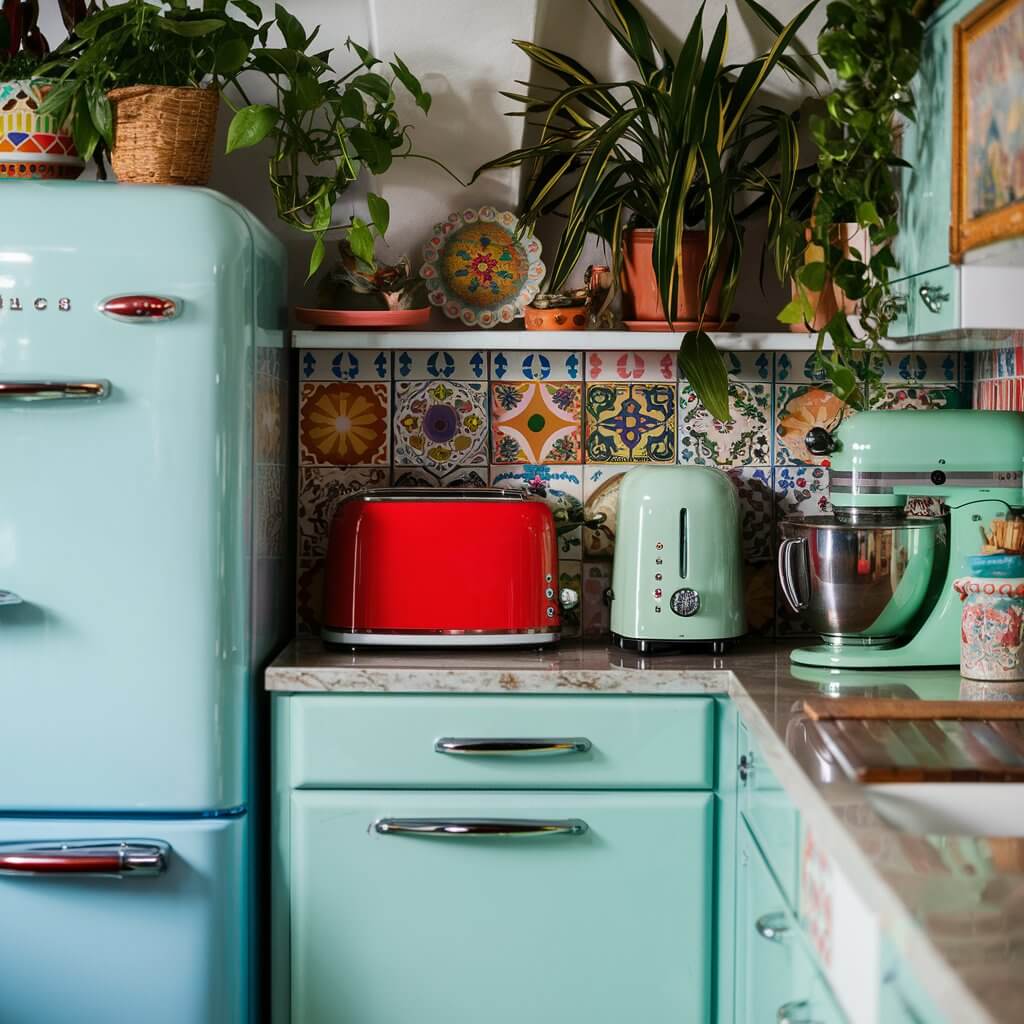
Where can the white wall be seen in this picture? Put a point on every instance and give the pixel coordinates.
(462, 51)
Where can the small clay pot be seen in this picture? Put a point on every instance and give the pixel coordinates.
(557, 318)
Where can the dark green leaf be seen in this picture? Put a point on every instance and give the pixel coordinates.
(361, 241)
(374, 85)
(291, 30)
(190, 29)
(230, 56)
(812, 276)
(250, 10)
(306, 92)
(316, 257)
(702, 366)
(364, 54)
(373, 150)
(380, 212)
(251, 125)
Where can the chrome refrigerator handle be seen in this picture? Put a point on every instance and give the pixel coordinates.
(455, 827)
(787, 577)
(8, 597)
(53, 390)
(515, 747)
(119, 858)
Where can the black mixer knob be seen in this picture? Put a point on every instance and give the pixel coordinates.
(819, 441)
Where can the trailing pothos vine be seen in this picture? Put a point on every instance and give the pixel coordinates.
(874, 47)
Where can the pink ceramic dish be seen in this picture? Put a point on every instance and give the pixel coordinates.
(382, 319)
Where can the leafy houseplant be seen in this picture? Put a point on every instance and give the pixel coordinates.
(325, 130)
(352, 284)
(875, 51)
(668, 150)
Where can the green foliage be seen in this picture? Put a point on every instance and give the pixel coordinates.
(874, 48)
(680, 144)
(354, 282)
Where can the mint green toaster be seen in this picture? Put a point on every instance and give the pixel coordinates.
(678, 571)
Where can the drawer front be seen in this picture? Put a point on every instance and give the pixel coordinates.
(363, 742)
(772, 817)
(613, 924)
(932, 303)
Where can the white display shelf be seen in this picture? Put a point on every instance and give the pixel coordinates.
(589, 341)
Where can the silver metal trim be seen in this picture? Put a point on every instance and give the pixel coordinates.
(933, 296)
(479, 827)
(107, 858)
(8, 597)
(53, 390)
(456, 637)
(511, 747)
(787, 578)
(864, 482)
(772, 927)
(439, 494)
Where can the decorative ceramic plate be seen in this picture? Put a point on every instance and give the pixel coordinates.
(381, 319)
(33, 145)
(477, 271)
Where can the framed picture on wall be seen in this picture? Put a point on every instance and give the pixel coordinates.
(988, 126)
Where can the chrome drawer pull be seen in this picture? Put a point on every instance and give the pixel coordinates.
(478, 827)
(127, 858)
(53, 390)
(772, 927)
(794, 1012)
(9, 597)
(477, 747)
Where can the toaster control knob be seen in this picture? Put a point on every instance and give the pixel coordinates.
(685, 602)
(549, 593)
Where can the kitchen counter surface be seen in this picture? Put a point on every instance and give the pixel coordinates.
(942, 901)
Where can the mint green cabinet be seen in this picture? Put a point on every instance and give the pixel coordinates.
(901, 998)
(605, 925)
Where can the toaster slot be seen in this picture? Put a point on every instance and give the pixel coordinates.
(682, 544)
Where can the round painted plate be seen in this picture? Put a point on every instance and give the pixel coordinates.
(477, 271)
(384, 319)
(679, 325)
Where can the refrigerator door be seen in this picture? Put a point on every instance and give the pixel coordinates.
(164, 947)
(126, 461)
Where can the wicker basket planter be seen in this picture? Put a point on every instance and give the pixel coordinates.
(163, 135)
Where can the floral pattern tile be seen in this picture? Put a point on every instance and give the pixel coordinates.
(631, 422)
(344, 424)
(440, 424)
(339, 364)
(757, 507)
(440, 365)
(570, 576)
(514, 365)
(744, 441)
(418, 476)
(632, 366)
(537, 422)
(600, 498)
(321, 490)
(924, 397)
(801, 490)
(797, 410)
(560, 486)
(596, 616)
(309, 596)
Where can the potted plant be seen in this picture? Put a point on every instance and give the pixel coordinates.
(142, 80)
(665, 167)
(325, 130)
(32, 144)
(354, 293)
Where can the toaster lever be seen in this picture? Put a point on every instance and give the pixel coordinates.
(518, 747)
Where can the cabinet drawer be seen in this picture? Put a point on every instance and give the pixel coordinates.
(369, 742)
(608, 924)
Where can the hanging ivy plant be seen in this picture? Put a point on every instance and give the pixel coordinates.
(874, 48)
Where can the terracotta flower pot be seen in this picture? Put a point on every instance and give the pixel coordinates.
(640, 289)
(831, 299)
(33, 145)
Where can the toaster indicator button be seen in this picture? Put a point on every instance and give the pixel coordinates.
(685, 602)
(657, 591)
(657, 609)
(660, 546)
(547, 579)
(657, 576)
(659, 561)
(549, 593)
(551, 613)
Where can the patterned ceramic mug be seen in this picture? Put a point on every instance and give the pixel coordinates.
(992, 628)
(33, 145)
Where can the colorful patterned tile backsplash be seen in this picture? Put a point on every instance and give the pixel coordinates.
(999, 375)
(568, 425)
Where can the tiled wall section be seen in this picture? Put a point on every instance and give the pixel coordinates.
(999, 375)
(570, 423)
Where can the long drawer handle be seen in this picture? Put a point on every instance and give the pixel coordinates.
(515, 747)
(772, 927)
(794, 1012)
(122, 858)
(53, 390)
(479, 827)
(9, 597)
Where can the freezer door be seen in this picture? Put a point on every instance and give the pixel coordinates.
(164, 947)
(126, 465)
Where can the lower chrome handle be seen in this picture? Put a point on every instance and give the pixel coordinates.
(53, 390)
(772, 927)
(933, 297)
(460, 827)
(787, 576)
(119, 858)
(513, 747)
(795, 1012)
(9, 597)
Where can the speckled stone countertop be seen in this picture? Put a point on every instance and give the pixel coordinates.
(944, 902)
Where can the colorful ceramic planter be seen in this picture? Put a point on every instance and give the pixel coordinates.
(33, 145)
(992, 631)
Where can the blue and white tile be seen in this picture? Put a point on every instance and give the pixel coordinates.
(744, 441)
(922, 368)
(796, 368)
(922, 396)
(560, 486)
(753, 367)
(321, 490)
(418, 476)
(801, 490)
(341, 364)
(515, 365)
(454, 364)
(650, 367)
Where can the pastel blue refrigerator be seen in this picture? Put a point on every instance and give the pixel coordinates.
(142, 587)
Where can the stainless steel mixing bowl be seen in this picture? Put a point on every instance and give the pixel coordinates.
(864, 582)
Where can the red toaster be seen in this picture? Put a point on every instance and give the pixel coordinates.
(411, 566)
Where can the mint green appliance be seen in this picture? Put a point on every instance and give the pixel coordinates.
(678, 574)
(877, 584)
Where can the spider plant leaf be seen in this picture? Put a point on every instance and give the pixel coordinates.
(707, 110)
(702, 366)
(792, 66)
(572, 73)
(668, 232)
(686, 66)
(641, 46)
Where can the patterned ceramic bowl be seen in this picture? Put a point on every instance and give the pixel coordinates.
(31, 145)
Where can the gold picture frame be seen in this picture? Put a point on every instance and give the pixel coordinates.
(988, 127)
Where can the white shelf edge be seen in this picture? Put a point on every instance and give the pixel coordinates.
(586, 341)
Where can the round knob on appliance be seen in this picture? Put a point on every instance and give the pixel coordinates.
(568, 598)
(685, 602)
(819, 441)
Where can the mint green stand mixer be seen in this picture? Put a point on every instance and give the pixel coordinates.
(878, 584)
